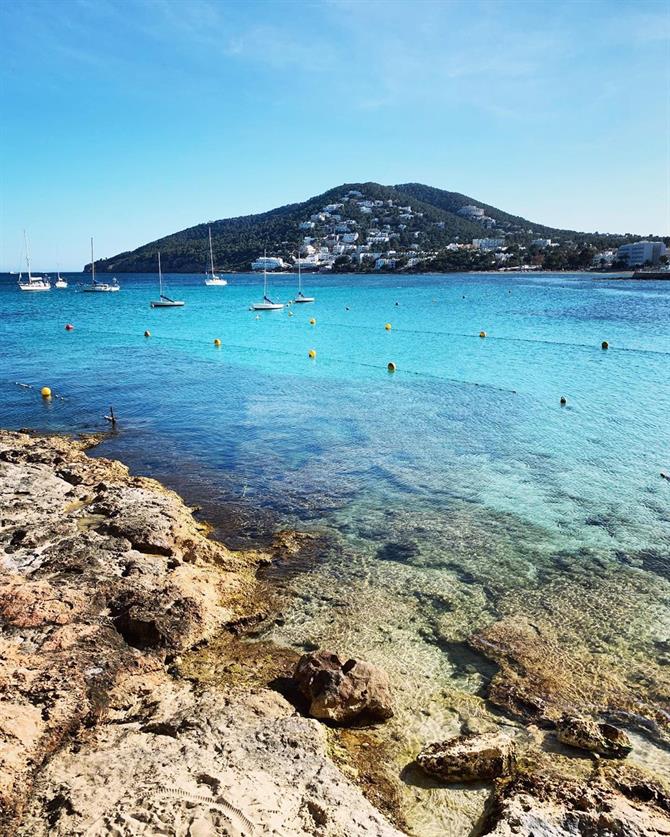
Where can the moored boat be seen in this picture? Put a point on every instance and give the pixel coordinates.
(164, 301)
(99, 287)
(32, 283)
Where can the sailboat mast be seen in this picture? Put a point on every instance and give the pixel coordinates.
(211, 254)
(25, 238)
(299, 273)
(92, 264)
(265, 272)
(160, 275)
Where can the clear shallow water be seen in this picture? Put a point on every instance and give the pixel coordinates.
(452, 493)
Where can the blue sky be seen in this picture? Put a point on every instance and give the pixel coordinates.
(130, 119)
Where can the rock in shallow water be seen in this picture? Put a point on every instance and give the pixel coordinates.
(586, 734)
(343, 691)
(468, 758)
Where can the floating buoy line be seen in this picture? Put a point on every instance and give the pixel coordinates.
(218, 343)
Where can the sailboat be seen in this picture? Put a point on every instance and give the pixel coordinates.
(212, 278)
(99, 287)
(33, 283)
(301, 296)
(60, 282)
(266, 304)
(164, 301)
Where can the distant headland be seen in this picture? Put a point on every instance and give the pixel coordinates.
(367, 227)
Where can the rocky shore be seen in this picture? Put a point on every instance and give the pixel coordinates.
(106, 579)
(131, 705)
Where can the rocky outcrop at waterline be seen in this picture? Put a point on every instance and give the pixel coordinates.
(106, 580)
(586, 734)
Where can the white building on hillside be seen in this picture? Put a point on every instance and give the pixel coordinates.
(488, 243)
(472, 212)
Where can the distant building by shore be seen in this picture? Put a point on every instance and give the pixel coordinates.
(641, 252)
(268, 263)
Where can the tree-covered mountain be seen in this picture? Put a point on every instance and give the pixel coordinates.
(421, 221)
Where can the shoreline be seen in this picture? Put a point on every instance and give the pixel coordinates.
(108, 580)
(174, 617)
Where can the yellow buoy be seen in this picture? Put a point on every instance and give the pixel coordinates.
(482, 334)
(311, 353)
(217, 342)
(604, 345)
(388, 326)
(391, 367)
(45, 392)
(312, 321)
(147, 333)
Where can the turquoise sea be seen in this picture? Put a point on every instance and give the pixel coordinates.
(448, 494)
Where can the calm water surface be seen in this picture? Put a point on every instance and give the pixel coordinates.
(450, 493)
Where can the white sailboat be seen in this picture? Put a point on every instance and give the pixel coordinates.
(301, 296)
(266, 304)
(99, 287)
(60, 282)
(33, 283)
(164, 301)
(211, 277)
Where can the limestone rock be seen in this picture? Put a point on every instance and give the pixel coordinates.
(468, 758)
(343, 691)
(586, 734)
(106, 579)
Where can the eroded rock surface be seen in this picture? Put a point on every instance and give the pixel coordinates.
(468, 758)
(343, 691)
(104, 579)
(550, 806)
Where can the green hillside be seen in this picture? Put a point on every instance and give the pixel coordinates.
(434, 223)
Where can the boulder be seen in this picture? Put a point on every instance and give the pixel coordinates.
(468, 758)
(343, 691)
(586, 734)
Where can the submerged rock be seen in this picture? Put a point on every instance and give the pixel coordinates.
(343, 691)
(468, 758)
(586, 734)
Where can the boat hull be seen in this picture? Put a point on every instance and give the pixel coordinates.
(267, 306)
(176, 304)
(34, 288)
(109, 290)
(302, 299)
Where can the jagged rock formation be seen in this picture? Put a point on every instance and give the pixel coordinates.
(105, 579)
